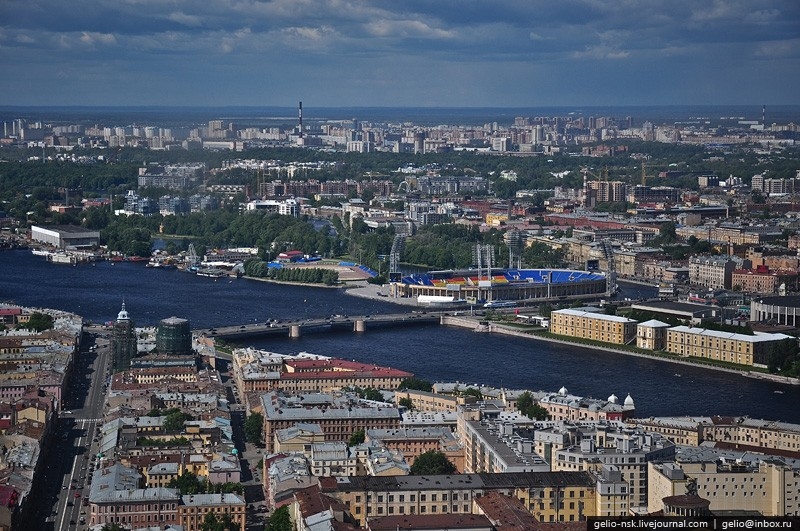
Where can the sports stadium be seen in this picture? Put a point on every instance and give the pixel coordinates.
(504, 285)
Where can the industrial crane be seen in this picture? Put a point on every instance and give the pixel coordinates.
(644, 173)
(586, 171)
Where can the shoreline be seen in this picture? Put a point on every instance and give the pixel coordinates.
(504, 330)
(371, 291)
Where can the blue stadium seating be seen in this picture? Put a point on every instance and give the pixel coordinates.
(535, 276)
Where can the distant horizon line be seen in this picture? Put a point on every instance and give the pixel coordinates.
(431, 107)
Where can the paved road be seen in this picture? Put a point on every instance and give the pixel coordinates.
(71, 458)
(249, 456)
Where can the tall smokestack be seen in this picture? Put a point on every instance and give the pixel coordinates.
(300, 116)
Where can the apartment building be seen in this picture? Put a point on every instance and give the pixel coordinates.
(413, 442)
(723, 346)
(763, 281)
(627, 451)
(338, 415)
(193, 508)
(258, 371)
(563, 406)
(496, 447)
(684, 431)
(768, 436)
(549, 496)
(768, 487)
(591, 325)
(713, 272)
(428, 401)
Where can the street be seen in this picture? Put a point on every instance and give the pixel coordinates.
(72, 457)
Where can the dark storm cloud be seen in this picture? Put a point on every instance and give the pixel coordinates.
(449, 52)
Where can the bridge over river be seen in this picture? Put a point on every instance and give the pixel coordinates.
(319, 325)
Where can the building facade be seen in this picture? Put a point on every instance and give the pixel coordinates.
(723, 346)
(590, 325)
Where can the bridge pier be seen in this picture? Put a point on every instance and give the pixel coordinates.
(360, 326)
(294, 331)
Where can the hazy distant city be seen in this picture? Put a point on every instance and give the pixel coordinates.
(532, 226)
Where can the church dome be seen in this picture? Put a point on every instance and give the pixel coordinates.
(123, 315)
(613, 399)
(629, 401)
(563, 391)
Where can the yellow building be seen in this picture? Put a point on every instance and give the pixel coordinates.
(683, 431)
(591, 325)
(723, 346)
(549, 496)
(769, 487)
(195, 507)
(765, 435)
(427, 401)
(652, 335)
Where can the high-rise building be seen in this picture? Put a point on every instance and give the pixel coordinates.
(123, 341)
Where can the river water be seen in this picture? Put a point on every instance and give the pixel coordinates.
(430, 352)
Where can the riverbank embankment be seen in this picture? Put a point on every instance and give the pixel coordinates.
(497, 328)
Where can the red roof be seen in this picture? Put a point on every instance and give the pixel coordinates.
(10, 311)
(290, 253)
(8, 496)
(339, 368)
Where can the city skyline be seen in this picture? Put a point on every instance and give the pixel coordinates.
(450, 54)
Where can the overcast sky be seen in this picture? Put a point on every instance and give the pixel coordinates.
(441, 53)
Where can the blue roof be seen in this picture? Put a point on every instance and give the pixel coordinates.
(516, 276)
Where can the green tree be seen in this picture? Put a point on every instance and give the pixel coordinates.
(175, 420)
(530, 408)
(357, 437)
(253, 426)
(472, 391)
(406, 403)
(431, 463)
(212, 522)
(187, 483)
(416, 384)
(280, 520)
(542, 255)
(39, 322)
(370, 393)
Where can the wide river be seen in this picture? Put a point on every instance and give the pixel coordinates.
(431, 352)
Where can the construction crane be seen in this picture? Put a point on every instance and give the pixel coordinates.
(585, 171)
(644, 173)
